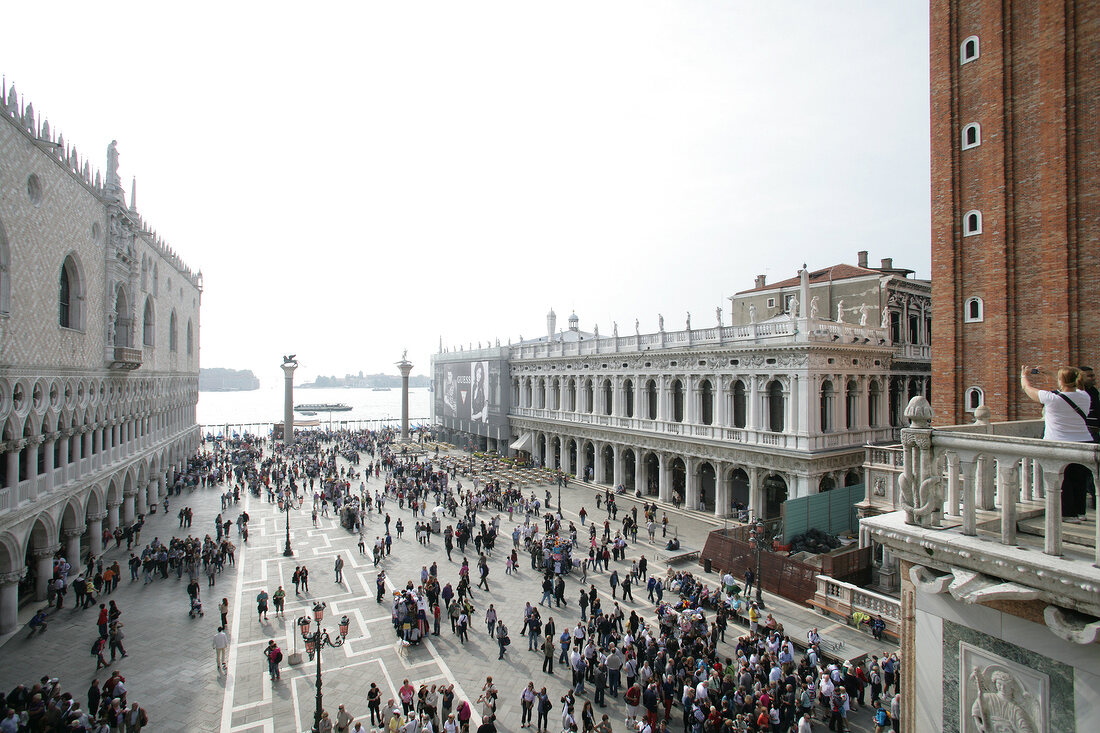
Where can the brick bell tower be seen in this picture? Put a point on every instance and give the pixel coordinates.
(1015, 107)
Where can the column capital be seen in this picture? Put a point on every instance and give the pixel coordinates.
(35, 440)
(44, 552)
(97, 517)
(113, 504)
(73, 532)
(12, 577)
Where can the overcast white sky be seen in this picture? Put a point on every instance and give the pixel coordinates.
(354, 179)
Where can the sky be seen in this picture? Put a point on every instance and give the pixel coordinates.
(356, 179)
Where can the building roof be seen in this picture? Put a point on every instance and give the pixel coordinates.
(836, 272)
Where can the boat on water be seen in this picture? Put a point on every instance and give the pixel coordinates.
(380, 389)
(314, 408)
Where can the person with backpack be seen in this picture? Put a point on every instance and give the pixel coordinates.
(261, 605)
(274, 656)
(97, 651)
(881, 717)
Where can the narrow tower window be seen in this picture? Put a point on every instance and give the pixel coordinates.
(969, 51)
(971, 136)
(974, 311)
(972, 223)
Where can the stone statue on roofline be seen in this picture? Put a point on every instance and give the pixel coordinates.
(813, 306)
(840, 311)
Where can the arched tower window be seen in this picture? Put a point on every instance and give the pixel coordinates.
(5, 273)
(740, 412)
(190, 339)
(975, 398)
(173, 338)
(974, 310)
(972, 223)
(775, 406)
(969, 50)
(971, 136)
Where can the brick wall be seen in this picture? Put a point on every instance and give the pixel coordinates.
(1033, 90)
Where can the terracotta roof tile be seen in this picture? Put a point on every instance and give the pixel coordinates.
(836, 272)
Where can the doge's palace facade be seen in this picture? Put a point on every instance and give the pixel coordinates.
(99, 356)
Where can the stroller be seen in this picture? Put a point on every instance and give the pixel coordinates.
(196, 607)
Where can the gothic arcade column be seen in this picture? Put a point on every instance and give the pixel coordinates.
(43, 567)
(128, 509)
(151, 493)
(72, 545)
(9, 600)
(140, 505)
(112, 516)
(95, 533)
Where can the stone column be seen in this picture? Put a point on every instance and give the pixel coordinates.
(722, 500)
(95, 533)
(140, 505)
(406, 367)
(112, 516)
(128, 509)
(616, 464)
(691, 484)
(909, 642)
(151, 493)
(72, 545)
(33, 484)
(43, 564)
(9, 600)
(756, 493)
(288, 365)
(664, 485)
(65, 435)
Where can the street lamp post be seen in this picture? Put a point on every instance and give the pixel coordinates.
(759, 545)
(285, 504)
(315, 641)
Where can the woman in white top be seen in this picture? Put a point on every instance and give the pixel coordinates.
(1064, 413)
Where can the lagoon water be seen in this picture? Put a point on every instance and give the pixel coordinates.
(265, 405)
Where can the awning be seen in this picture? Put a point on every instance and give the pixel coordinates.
(523, 442)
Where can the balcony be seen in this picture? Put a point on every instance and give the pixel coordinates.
(983, 505)
(124, 358)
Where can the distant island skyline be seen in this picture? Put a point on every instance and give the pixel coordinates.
(391, 381)
(218, 379)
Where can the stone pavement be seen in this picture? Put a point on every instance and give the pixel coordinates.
(170, 669)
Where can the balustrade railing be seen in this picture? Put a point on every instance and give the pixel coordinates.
(845, 600)
(963, 474)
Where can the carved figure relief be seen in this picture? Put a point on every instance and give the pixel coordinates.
(998, 695)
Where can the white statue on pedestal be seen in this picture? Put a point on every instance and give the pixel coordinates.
(718, 315)
(752, 313)
(813, 306)
(794, 306)
(864, 311)
(885, 317)
(840, 311)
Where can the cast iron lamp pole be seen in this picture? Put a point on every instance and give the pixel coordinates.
(285, 504)
(759, 546)
(315, 641)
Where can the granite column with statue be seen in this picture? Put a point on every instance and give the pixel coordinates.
(289, 365)
(406, 367)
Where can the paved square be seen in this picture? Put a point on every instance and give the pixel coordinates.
(171, 672)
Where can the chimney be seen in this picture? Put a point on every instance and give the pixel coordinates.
(861, 258)
(887, 263)
(551, 324)
(761, 280)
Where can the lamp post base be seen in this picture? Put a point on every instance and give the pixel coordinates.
(287, 552)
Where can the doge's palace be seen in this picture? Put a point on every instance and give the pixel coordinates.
(99, 355)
